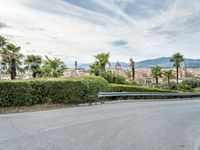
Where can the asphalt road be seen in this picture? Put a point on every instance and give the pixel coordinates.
(168, 125)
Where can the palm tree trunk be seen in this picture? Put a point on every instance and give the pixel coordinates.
(0, 68)
(177, 73)
(34, 75)
(168, 81)
(13, 69)
(156, 80)
(133, 72)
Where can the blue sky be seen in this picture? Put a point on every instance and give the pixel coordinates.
(78, 29)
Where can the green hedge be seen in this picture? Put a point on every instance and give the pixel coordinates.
(71, 91)
(131, 88)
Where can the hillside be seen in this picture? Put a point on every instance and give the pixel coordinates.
(163, 62)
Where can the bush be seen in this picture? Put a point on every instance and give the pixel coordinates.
(131, 82)
(130, 88)
(171, 86)
(19, 93)
(185, 88)
(192, 82)
(113, 78)
(71, 91)
(96, 84)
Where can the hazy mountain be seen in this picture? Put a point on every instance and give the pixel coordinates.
(163, 62)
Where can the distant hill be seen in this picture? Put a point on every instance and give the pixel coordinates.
(163, 62)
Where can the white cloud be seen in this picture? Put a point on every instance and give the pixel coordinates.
(61, 29)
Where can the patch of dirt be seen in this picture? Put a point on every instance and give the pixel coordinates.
(42, 107)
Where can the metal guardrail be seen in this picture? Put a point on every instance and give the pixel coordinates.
(146, 94)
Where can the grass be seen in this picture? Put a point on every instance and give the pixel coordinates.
(133, 88)
(197, 90)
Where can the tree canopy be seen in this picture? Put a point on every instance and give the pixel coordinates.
(53, 67)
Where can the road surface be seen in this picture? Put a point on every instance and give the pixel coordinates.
(168, 125)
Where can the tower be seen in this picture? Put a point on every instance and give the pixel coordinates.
(76, 64)
(118, 66)
(132, 65)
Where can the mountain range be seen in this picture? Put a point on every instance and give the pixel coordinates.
(163, 62)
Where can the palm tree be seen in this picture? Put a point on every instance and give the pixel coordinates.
(2, 45)
(2, 42)
(53, 67)
(33, 63)
(132, 64)
(177, 59)
(169, 75)
(11, 59)
(156, 73)
(103, 60)
(95, 68)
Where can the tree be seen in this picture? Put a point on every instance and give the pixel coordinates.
(95, 68)
(53, 68)
(2, 45)
(11, 59)
(33, 63)
(156, 73)
(3, 42)
(177, 59)
(99, 66)
(103, 60)
(132, 64)
(169, 75)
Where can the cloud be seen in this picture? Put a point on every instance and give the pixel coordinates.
(3, 25)
(77, 30)
(119, 43)
(36, 28)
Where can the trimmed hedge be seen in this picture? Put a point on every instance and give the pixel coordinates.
(70, 91)
(131, 88)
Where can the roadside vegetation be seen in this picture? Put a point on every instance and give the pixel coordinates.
(133, 88)
(40, 91)
(48, 86)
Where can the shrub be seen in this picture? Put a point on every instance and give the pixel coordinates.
(130, 88)
(30, 92)
(66, 91)
(131, 82)
(185, 88)
(171, 86)
(96, 84)
(19, 93)
(113, 78)
(192, 82)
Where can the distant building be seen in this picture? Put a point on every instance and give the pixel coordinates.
(76, 65)
(71, 72)
(118, 66)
